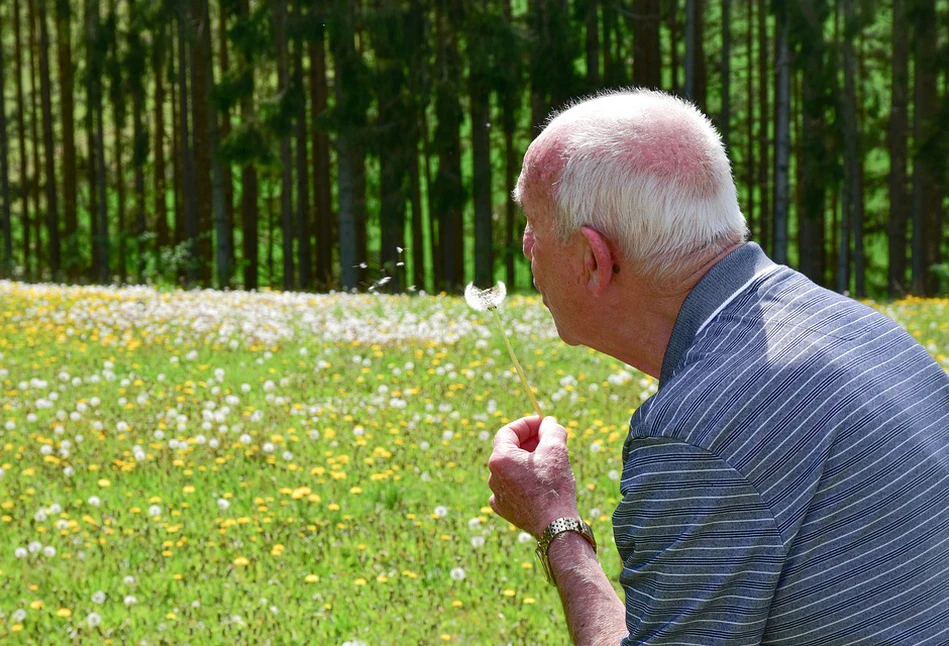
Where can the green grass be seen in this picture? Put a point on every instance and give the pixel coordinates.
(217, 468)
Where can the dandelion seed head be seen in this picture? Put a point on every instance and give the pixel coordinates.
(482, 300)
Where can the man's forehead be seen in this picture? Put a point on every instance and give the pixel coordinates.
(542, 169)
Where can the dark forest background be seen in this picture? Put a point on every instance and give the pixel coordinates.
(372, 144)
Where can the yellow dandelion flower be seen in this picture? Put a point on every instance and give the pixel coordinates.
(36, 604)
(457, 603)
(104, 483)
(509, 593)
(445, 637)
(355, 490)
(240, 560)
(360, 581)
(312, 578)
(15, 628)
(188, 489)
(301, 492)
(528, 600)
(333, 506)
(64, 612)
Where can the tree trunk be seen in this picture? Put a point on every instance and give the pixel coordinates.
(207, 136)
(305, 250)
(137, 69)
(6, 262)
(480, 102)
(177, 151)
(749, 162)
(250, 210)
(592, 44)
(508, 99)
(783, 144)
(927, 161)
(161, 202)
(202, 117)
(188, 181)
(21, 136)
(672, 21)
(393, 128)
(227, 172)
(36, 220)
(349, 154)
(122, 227)
(817, 162)
(695, 71)
(764, 136)
(646, 54)
(448, 188)
(286, 158)
(853, 180)
(612, 62)
(322, 187)
(724, 119)
(418, 100)
(898, 134)
(118, 88)
(813, 179)
(96, 141)
(72, 262)
(52, 189)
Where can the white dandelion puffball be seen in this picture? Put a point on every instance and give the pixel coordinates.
(457, 574)
(485, 299)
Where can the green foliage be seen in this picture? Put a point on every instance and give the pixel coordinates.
(248, 143)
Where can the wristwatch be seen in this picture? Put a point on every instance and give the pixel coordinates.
(554, 530)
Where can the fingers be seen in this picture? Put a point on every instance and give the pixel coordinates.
(551, 433)
(517, 433)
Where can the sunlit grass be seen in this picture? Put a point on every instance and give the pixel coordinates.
(219, 468)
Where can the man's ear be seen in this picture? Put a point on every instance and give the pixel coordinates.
(597, 261)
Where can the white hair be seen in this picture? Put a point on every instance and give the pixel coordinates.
(649, 171)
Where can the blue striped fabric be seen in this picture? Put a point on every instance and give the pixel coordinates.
(789, 482)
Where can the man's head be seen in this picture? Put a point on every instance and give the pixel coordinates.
(646, 170)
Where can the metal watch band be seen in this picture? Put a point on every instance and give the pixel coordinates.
(562, 525)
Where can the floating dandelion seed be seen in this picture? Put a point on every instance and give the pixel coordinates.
(489, 299)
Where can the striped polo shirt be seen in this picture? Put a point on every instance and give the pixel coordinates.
(789, 481)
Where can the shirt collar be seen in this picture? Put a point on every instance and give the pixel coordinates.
(723, 282)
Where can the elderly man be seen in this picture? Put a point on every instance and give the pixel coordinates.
(789, 482)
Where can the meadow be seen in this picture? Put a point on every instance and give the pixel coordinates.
(272, 468)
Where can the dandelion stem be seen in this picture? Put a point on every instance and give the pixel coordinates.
(517, 365)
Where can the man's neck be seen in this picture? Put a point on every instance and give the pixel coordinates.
(646, 315)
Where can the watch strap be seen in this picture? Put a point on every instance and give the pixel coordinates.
(555, 529)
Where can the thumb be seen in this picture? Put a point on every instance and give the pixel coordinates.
(551, 433)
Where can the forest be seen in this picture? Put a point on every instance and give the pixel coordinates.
(321, 145)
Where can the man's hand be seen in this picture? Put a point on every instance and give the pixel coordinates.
(531, 477)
